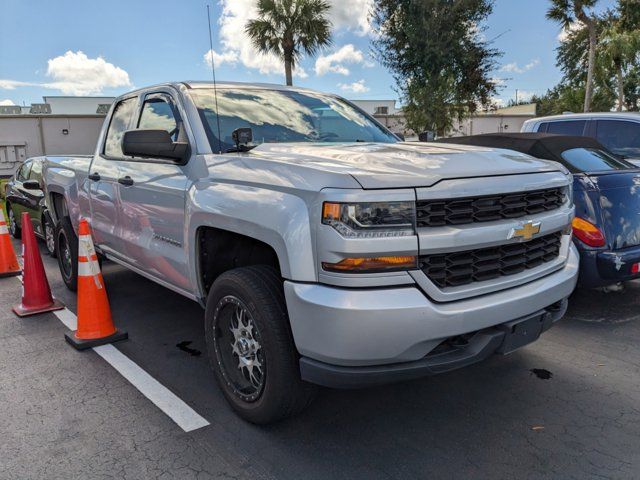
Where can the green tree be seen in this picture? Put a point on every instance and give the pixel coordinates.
(618, 50)
(290, 28)
(435, 51)
(567, 12)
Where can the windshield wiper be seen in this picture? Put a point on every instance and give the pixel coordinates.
(240, 148)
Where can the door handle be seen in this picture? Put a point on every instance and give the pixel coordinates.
(95, 176)
(126, 181)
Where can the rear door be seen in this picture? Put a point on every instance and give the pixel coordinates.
(103, 179)
(622, 137)
(152, 192)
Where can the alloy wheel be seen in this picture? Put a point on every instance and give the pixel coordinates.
(238, 349)
(49, 237)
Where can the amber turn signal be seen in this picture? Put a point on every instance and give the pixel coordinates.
(588, 233)
(371, 265)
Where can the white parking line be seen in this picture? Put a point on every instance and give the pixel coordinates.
(176, 409)
(163, 398)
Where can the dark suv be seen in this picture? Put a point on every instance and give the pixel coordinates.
(24, 194)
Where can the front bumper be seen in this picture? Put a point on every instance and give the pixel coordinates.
(384, 326)
(501, 339)
(602, 268)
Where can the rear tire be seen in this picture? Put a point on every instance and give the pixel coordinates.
(267, 387)
(67, 249)
(14, 229)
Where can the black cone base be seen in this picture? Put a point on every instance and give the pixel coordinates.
(78, 344)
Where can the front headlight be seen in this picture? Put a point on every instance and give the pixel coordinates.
(371, 220)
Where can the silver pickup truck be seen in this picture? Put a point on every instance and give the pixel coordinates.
(324, 250)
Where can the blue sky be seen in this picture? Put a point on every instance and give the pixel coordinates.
(67, 47)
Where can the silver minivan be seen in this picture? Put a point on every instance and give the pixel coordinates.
(618, 131)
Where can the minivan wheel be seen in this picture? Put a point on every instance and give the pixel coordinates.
(14, 229)
(250, 346)
(49, 235)
(66, 246)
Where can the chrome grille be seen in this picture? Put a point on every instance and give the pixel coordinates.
(458, 211)
(461, 268)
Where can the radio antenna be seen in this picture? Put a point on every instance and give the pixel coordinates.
(213, 75)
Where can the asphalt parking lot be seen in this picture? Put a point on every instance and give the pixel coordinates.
(567, 406)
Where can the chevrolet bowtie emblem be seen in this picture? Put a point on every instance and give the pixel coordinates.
(526, 231)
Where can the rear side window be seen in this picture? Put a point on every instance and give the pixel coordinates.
(622, 138)
(567, 127)
(159, 114)
(120, 122)
(36, 171)
(585, 160)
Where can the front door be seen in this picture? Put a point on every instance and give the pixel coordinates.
(103, 177)
(152, 200)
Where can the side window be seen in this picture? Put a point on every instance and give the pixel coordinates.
(120, 122)
(23, 172)
(542, 128)
(567, 127)
(159, 114)
(619, 136)
(36, 171)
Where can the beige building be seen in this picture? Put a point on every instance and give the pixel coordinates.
(59, 126)
(508, 119)
(386, 112)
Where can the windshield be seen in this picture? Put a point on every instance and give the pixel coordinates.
(585, 160)
(276, 116)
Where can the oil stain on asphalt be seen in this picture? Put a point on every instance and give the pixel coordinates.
(184, 346)
(541, 373)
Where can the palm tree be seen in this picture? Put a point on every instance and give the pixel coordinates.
(289, 28)
(567, 12)
(618, 48)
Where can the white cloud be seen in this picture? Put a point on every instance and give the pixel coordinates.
(355, 87)
(524, 95)
(230, 57)
(352, 15)
(572, 27)
(236, 46)
(76, 74)
(12, 84)
(335, 61)
(515, 68)
(6, 102)
(498, 82)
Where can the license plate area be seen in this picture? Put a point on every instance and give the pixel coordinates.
(521, 332)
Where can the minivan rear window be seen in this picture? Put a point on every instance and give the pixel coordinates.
(585, 160)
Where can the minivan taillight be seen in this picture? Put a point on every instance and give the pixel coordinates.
(588, 233)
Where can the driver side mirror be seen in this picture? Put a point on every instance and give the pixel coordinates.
(31, 185)
(153, 144)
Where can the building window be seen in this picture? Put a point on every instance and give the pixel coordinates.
(381, 111)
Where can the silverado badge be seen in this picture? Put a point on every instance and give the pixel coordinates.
(526, 231)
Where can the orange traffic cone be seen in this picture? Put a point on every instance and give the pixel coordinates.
(95, 326)
(9, 265)
(36, 294)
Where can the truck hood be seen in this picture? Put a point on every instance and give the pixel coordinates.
(399, 165)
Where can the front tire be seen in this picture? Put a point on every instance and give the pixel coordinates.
(250, 346)
(67, 249)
